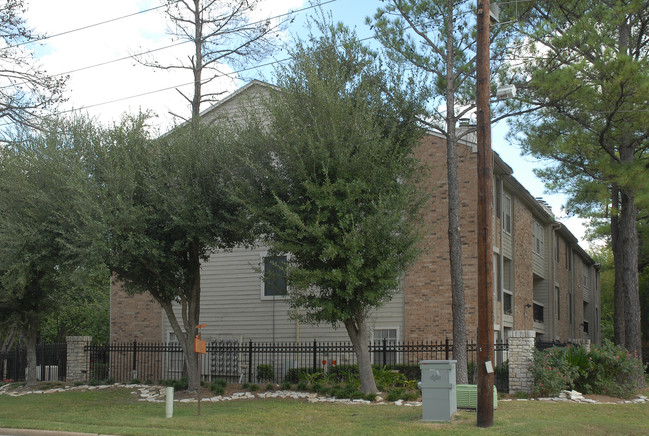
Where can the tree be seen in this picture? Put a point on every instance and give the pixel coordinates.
(334, 155)
(589, 70)
(220, 32)
(437, 39)
(43, 206)
(168, 206)
(26, 89)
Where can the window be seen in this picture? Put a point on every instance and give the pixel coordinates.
(507, 213)
(274, 276)
(556, 288)
(507, 303)
(586, 276)
(568, 259)
(570, 297)
(557, 248)
(385, 341)
(538, 312)
(537, 238)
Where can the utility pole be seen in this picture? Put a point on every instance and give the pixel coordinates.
(485, 409)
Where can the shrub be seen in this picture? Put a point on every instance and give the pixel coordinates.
(270, 387)
(617, 372)
(552, 372)
(265, 372)
(253, 387)
(606, 369)
(218, 386)
(401, 394)
(178, 385)
(286, 386)
(389, 378)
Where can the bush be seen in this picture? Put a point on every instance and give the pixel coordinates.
(218, 386)
(607, 369)
(286, 386)
(265, 373)
(178, 385)
(402, 394)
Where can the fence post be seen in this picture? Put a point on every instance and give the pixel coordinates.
(315, 356)
(447, 347)
(521, 355)
(250, 361)
(385, 351)
(134, 369)
(77, 358)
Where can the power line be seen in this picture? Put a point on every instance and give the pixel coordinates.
(101, 64)
(89, 26)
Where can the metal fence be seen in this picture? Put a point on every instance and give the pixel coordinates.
(254, 362)
(51, 363)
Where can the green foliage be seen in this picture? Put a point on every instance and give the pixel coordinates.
(402, 394)
(606, 369)
(389, 378)
(270, 387)
(286, 385)
(218, 386)
(253, 387)
(178, 385)
(265, 372)
(334, 179)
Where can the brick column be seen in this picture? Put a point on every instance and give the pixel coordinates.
(78, 359)
(521, 351)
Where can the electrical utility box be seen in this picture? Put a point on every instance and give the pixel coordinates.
(438, 389)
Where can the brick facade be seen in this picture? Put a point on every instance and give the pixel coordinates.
(428, 311)
(134, 317)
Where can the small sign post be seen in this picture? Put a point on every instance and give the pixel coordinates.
(200, 347)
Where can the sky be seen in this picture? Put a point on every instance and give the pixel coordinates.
(105, 82)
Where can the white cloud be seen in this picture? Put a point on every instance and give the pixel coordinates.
(92, 89)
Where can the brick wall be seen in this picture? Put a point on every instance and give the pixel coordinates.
(428, 311)
(134, 317)
(522, 265)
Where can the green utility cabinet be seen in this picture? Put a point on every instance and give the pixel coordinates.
(438, 391)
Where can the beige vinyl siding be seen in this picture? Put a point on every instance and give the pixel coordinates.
(232, 305)
(540, 259)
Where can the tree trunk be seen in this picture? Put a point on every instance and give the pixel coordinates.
(186, 341)
(454, 234)
(629, 245)
(31, 339)
(618, 263)
(358, 334)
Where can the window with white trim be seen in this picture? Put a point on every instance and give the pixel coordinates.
(385, 337)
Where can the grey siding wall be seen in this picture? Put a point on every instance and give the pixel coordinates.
(232, 305)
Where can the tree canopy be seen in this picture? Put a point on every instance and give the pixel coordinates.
(335, 177)
(588, 70)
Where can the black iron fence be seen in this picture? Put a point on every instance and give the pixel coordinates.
(51, 363)
(254, 362)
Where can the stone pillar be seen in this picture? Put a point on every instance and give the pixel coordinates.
(521, 353)
(583, 342)
(78, 359)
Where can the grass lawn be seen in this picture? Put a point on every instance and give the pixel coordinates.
(116, 411)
